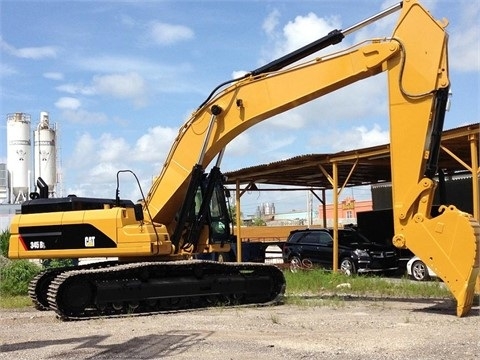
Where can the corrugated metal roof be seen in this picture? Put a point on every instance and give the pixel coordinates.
(361, 166)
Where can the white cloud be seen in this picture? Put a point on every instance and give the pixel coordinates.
(68, 103)
(35, 53)
(112, 149)
(269, 140)
(68, 88)
(167, 34)
(104, 173)
(240, 146)
(372, 137)
(76, 89)
(127, 20)
(154, 146)
(124, 86)
(303, 30)
(161, 77)
(289, 120)
(360, 100)
(80, 116)
(83, 153)
(96, 161)
(464, 46)
(259, 144)
(53, 75)
(353, 138)
(118, 64)
(6, 70)
(271, 22)
(273, 143)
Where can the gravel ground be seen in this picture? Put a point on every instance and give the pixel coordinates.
(327, 329)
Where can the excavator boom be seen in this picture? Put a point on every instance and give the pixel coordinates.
(176, 220)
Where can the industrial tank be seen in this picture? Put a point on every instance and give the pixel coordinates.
(44, 150)
(18, 155)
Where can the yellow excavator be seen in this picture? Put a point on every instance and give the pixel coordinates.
(185, 212)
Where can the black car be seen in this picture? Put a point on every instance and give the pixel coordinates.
(356, 254)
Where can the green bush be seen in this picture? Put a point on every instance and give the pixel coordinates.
(4, 239)
(56, 263)
(15, 276)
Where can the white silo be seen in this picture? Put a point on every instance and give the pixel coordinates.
(45, 156)
(18, 155)
(266, 209)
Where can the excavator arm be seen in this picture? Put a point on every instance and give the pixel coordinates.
(418, 86)
(418, 94)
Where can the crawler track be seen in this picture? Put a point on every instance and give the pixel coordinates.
(38, 286)
(156, 287)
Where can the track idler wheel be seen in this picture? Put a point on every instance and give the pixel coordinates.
(74, 297)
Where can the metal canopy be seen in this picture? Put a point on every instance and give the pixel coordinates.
(355, 167)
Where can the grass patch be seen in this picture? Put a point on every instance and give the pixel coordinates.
(320, 282)
(14, 302)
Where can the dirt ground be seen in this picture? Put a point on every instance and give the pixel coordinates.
(327, 329)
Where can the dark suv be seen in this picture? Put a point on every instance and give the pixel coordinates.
(356, 254)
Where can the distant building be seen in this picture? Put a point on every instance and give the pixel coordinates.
(347, 211)
(290, 218)
(347, 214)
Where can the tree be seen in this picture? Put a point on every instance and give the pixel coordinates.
(233, 214)
(258, 222)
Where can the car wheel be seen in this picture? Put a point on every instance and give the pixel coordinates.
(223, 257)
(347, 266)
(295, 264)
(420, 271)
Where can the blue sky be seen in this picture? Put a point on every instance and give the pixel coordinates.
(119, 78)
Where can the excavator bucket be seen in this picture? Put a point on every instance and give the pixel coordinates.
(450, 247)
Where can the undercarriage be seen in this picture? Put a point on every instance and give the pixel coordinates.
(155, 287)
